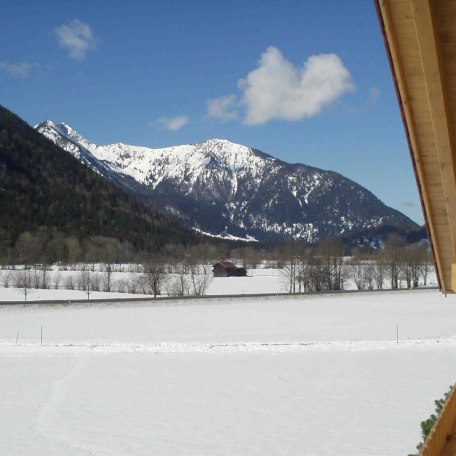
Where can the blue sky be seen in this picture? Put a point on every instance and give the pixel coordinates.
(306, 81)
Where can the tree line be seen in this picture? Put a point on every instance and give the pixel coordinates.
(153, 278)
(181, 270)
(329, 266)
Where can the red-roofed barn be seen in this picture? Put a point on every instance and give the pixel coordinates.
(228, 269)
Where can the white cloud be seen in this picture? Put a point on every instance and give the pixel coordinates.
(278, 90)
(22, 70)
(77, 38)
(173, 123)
(223, 108)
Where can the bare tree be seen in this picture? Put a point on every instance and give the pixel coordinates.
(356, 271)
(24, 282)
(153, 275)
(426, 267)
(36, 281)
(107, 277)
(199, 281)
(307, 268)
(312, 275)
(360, 270)
(45, 277)
(96, 284)
(303, 269)
(7, 277)
(417, 258)
(70, 282)
(57, 277)
(121, 286)
(133, 285)
(40, 276)
(379, 271)
(332, 255)
(290, 273)
(290, 266)
(179, 285)
(86, 277)
(369, 275)
(393, 256)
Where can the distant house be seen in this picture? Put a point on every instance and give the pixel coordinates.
(228, 269)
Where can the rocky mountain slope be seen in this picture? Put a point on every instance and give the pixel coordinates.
(226, 189)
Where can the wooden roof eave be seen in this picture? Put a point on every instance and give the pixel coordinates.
(428, 51)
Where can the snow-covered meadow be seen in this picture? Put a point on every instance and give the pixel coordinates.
(310, 375)
(62, 283)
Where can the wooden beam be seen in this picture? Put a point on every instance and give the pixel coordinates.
(428, 42)
(401, 84)
(453, 276)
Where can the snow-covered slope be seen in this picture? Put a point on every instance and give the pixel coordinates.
(222, 188)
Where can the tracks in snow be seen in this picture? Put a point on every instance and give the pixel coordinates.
(221, 347)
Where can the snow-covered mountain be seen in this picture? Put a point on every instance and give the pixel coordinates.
(226, 189)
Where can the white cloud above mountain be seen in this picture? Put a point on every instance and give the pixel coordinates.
(223, 108)
(277, 89)
(173, 123)
(76, 38)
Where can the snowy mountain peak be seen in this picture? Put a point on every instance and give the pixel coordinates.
(60, 128)
(222, 145)
(45, 124)
(222, 188)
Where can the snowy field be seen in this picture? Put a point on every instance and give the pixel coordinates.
(312, 375)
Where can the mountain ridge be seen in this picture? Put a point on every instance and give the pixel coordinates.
(220, 187)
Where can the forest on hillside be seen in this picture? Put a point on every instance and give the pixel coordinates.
(46, 196)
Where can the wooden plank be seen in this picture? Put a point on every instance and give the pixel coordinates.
(419, 99)
(429, 47)
(439, 213)
(412, 69)
(440, 221)
(433, 170)
(429, 154)
(428, 160)
(423, 123)
(426, 146)
(444, 230)
(433, 177)
(414, 82)
(426, 140)
(438, 201)
(396, 44)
